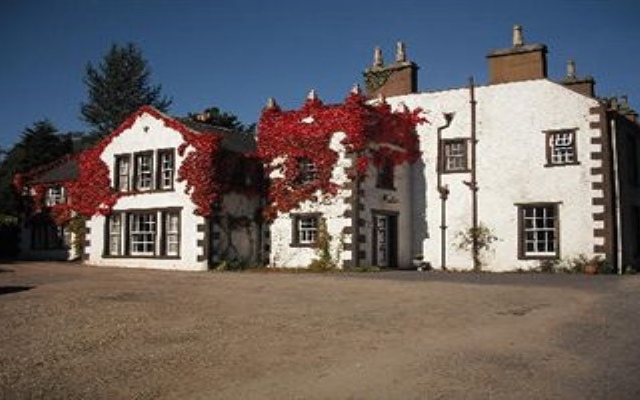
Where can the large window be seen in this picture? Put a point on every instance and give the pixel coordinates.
(454, 155)
(561, 147)
(538, 231)
(305, 229)
(148, 234)
(145, 171)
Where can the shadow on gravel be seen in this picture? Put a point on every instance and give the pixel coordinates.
(14, 289)
(5, 270)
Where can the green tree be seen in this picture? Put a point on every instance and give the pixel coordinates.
(118, 86)
(39, 144)
(216, 117)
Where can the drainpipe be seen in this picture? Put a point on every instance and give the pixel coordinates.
(355, 215)
(617, 200)
(443, 191)
(473, 184)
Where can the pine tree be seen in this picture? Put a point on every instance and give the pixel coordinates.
(118, 86)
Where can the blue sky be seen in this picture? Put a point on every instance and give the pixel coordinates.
(236, 54)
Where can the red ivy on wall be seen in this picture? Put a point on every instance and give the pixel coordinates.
(92, 193)
(374, 134)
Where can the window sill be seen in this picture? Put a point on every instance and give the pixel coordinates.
(540, 257)
(457, 171)
(136, 192)
(142, 257)
(548, 165)
(303, 245)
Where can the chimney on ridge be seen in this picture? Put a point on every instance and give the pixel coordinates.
(520, 62)
(395, 79)
(583, 85)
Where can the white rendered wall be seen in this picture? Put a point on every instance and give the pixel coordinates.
(511, 169)
(149, 133)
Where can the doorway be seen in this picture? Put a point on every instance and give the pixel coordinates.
(385, 239)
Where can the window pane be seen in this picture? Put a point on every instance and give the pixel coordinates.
(142, 234)
(307, 230)
(539, 230)
(166, 170)
(144, 171)
(172, 233)
(115, 235)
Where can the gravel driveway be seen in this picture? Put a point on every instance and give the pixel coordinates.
(75, 332)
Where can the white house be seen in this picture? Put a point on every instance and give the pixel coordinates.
(339, 183)
(160, 192)
(542, 169)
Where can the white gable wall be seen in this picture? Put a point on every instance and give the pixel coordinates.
(150, 133)
(511, 168)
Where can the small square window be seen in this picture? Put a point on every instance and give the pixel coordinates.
(305, 229)
(307, 171)
(561, 147)
(55, 195)
(454, 157)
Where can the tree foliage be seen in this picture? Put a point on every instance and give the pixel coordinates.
(118, 86)
(39, 144)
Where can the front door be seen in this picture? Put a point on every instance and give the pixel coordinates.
(385, 240)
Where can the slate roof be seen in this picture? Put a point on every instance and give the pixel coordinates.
(231, 140)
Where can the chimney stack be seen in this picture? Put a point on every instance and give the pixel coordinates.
(396, 79)
(521, 62)
(583, 85)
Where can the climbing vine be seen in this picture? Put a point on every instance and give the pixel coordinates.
(373, 134)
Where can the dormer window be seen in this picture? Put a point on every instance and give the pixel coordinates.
(55, 195)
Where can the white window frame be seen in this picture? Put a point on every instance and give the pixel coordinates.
(123, 172)
(115, 222)
(539, 233)
(144, 171)
(305, 229)
(143, 233)
(171, 233)
(562, 147)
(148, 233)
(55, 195)
(455, 156)
(166, 167)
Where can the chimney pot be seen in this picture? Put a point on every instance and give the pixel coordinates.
(401, 53)
(377, 58)
(571, 69)
(517, 36)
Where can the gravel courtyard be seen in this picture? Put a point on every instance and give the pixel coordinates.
(75, 332)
